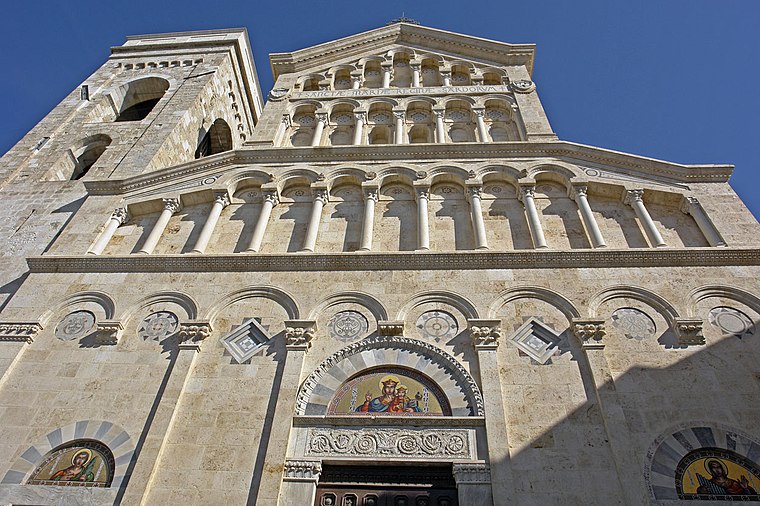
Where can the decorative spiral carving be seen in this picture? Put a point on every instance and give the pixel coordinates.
(455, 445)
(407, 445)
(365, 444)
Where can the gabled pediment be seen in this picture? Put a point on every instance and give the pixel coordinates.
(418, 38)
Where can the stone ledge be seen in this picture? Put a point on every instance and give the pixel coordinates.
(398, 261)
(374, 420)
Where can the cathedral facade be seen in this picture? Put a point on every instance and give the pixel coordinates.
(391, 285)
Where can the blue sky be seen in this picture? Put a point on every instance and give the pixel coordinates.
(677, 80)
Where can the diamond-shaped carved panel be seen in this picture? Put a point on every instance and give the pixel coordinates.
(246, 340)
(536, 339)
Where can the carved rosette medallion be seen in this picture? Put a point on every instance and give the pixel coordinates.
(383, 442)
(731, 322)
(437, 325)
(347, 326)
(634, 324)
(523, 86)
(75, 325)
(158, 326)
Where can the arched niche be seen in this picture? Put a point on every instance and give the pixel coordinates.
(703, 461)
(79, 158)
(217, 140)
(386, 352)
(136, 99)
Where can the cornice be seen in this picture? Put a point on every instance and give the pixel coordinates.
(372, 420)
(394, 261)
(426, 38)
(499, 152)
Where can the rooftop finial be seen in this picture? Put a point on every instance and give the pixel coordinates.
(402, 19)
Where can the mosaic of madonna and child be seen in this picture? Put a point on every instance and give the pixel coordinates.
(390, 391)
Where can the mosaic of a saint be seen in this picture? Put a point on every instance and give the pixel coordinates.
(390, 391)
(74, 466)
(718, 474)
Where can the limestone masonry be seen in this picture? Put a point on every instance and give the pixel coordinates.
(391, 285)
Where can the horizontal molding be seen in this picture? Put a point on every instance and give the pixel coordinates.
(399, 261)
(375, 420)
(495, 152)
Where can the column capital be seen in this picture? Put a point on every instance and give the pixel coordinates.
(272, 196)
(222, 198)
(360, 116)
(474, 190)
(399, 114)
(356, 79)
(172, 204)
(485, 334)
(422, 191)
(287, 120)
(23, 332)
(689, 204)
(108, 332)
(439, 113)
(320, 193)
(475, 472)
(386, 65)
(121, 215)
(579, 189)
(632, 196)
(415, 65)
(302, 470)
(480, 112)
(444, 72)
(299, 333)
(192, 333)
(590, 332)
(689, 331)
(390, 327)
(321, 117)
(371, 193)
(527, 190)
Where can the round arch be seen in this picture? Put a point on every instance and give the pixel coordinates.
(102, 299)
(459, 302)
(441, 367)
(284, 299)
(549, 296)
(363, 299)
(184, 301)
(729, 292)
(658, 303)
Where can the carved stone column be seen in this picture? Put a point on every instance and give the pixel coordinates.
(527, 193)
(285, 125)
(590, 333)
(485, 336)
(387, 73)
(446, 75)
(400, 121)
(320, 199)
(299, 482)
(691, 206)
(589, 221)
(480, 114)
(360, 118)
(356, 79)
(221, 200)
(171, 206)
(319, 128)
(476, 214)
(423, 231)
(271, 199)
(368, 224)
(635, 199)
(274, 480)
(118, 217)
(416, 68)
(474, 485)
(440, 129)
